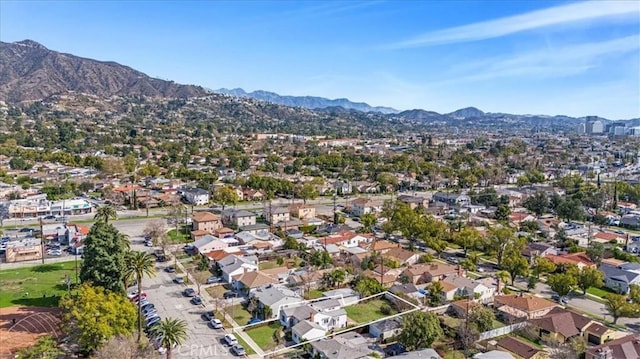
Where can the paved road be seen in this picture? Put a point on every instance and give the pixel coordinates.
(203, 342)
(584, 304)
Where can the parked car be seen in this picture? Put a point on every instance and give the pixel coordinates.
(196, 301)
(208, 315)
(48, 217)
(215, 323)
(228, 295)
(25, 230)
(212, 280)
(230, 339)
(178, 280)
(148, 244)
(254, 321)
(189, 292)
(153, 321)
(238, 350)
(170, 269)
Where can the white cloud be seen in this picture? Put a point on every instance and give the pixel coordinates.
(559, 61)
(582, 11)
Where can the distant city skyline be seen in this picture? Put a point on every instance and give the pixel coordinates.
(522, 57)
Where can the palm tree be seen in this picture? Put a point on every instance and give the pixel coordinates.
(105, 213)
(139, 264)
(502, 276)
(172, 332)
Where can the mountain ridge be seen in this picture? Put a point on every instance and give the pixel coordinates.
(309, 102)
(30, 71)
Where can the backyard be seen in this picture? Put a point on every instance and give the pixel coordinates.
(39, 285)
(178, 237)
(369, 311)
(239, 314)
(262, 335)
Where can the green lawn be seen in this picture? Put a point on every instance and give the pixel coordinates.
(179, 237)
(29, 285)
(239, 314)
(599, 292)
(263, 335)
(269, 265)
(497, 324)
(369, 311)
(455, 354)
(313, 294)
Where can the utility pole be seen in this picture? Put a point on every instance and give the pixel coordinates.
(41, 241)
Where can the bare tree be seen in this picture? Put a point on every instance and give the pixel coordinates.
(157, 231)
(125, 347)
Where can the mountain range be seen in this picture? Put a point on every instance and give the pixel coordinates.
(30, 72)
(310, 102)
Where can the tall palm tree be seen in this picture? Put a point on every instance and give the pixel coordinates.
(502, 276)
(105, 213)
(172, 332)
(139, 264)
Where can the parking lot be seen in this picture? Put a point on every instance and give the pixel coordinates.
(203, 341)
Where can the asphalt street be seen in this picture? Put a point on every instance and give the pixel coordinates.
(203, 341)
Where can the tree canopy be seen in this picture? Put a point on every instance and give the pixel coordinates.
(104, 257)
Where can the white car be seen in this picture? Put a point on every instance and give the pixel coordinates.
(216, 323)
(230, 339)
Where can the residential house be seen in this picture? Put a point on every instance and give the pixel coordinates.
(274, 215)
(471, 288)
(209, 243)
(307, 331)
(381, 246)
(452, 199)
(520, 349)
(630, 221)
(346, 296)
(518, 307)
(621, 348)
(384, 275)
(302, 211)
(343, 187)
(461, 308)
(276, 298)
(429, 272)
(238, 218)
(386, 329)
(235, 265)
(251, 194)
(607, 237)
(362, 206)
(449, 291)
(494, 354)
(618, 278)
(256, 229)
(535, 250)
(580, 259)
(414, 201)
(206, 221)
(519, 217)
(196, 196)
(349, 345)
(408, 290)
(560, 325)
(402, 256)
(247, 282)
(419, 354)
(330, 314)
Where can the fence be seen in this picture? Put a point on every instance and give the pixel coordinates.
(502, 331)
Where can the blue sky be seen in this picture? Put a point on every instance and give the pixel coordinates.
(540, 57)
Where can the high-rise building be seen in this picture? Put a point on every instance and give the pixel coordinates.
(593, 126)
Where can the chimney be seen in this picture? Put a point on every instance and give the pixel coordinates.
(313, 315)
(244, 269)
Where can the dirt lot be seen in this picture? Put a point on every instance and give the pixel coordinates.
(22, 326)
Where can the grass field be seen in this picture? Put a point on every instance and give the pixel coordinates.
(369, 311)
(178, 237)
(313, 294)
(263, 335)
(39, 285)
(239, 314)
(598, 292)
